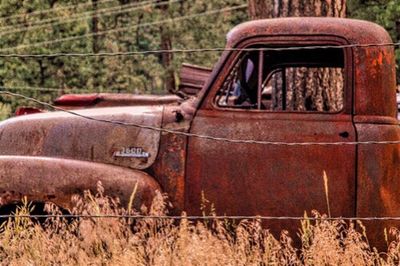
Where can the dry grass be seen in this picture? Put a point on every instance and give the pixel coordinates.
(165, 242)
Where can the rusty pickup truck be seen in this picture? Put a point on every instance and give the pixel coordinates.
(288, 80)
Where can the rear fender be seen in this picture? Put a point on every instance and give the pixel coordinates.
(57, 180)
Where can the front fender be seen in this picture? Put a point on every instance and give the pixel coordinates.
(57, 180)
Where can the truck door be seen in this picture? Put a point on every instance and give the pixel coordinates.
(285, 96)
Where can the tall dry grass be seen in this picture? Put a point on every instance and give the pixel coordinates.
(166, 242)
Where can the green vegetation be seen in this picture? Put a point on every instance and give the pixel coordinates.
(22, 26)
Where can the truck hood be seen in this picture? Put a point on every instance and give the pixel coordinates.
(63, 135)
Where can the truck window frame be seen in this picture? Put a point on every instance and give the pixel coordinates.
(229, 60)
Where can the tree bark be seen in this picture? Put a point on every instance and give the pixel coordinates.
(95, 44)
(319, 90)
(167, 58)
(259, 9)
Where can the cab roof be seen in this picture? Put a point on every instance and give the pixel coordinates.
(373, 67)
(354, 31)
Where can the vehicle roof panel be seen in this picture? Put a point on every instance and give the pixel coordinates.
(354, 31)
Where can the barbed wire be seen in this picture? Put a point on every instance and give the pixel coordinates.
(210, 217)
(54, 10)
(196, 50)
(130, 27)
(194, 135)
(86, 15)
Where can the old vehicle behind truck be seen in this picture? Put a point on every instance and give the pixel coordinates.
(256, 139)
(192, 79)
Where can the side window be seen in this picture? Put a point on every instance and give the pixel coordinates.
(308, 80)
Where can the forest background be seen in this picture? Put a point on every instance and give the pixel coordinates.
(79, 26)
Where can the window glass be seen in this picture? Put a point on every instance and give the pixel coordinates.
(286, 80)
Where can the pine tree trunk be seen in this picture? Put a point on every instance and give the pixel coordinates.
(398, 39)
(95, 44)
(295, 8)
(323, 88)
(166, 44)
(167, 58)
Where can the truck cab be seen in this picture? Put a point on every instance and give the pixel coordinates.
(289, 99)
(344, 94)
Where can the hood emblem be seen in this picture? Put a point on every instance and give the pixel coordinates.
(135, 152)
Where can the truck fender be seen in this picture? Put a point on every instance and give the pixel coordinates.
(56, 180)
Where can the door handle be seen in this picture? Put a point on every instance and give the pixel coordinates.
(344, 134)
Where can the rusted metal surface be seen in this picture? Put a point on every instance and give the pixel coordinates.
(378, 182)
(374, 68)
(27, 111)
(286, 181)
(81, 100)
(272, 181)
(239, 178)
(57, 180)
(354, 31)
(74, 101)
(398, 105)
(61, 135)
(192, 78)
(169, 168)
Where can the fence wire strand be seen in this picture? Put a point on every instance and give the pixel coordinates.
(5, 91)
(195, 50)
(126, 28)
(127, 8)
(54, 10)
(66, 90)
(172, 217)
(194, 135)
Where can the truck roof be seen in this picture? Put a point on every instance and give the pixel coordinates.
(354, 31)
